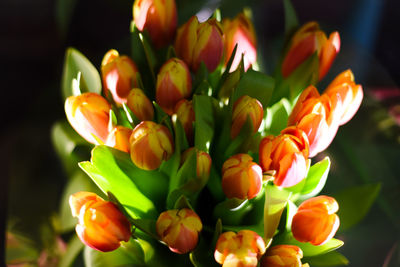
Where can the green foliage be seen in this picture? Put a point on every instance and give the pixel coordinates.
(354, 204)
(78, 69)
(204, 122)
(332, 258)
(276, 117)
(74, 247)
(291, 21)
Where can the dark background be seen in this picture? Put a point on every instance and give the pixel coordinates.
(34, 37)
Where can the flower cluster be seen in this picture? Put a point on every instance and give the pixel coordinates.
(199, 119)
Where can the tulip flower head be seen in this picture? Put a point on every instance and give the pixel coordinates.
(350, 93)
(118, 138)
(185, 113)
(200, 42)
(119, 75)
(287, 154)
(158, 17)
(316, 221)
(179, 229)
(140, 105)
(102, 226)
(283, 256)
(150, 144)
(309, 39)
(88, 114)
(318, 117)
(203, 159)
(240, 31)
(243, 249)
(243, 108)
(173, 84)
(241, 177)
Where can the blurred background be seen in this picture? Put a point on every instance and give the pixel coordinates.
(35, 35)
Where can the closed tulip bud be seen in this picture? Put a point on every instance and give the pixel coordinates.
(101, 226)
(287, 155)
(179, 229)
(173, 84)
(309, 39)
(243, 108)
(318, 117)
(316, 221)
(88, 114)
(150, 144)
(283, 256)
(119, 75)
(241, 177)
(350, 93)
(158, 17)
(243, 249)
(140, 105)
(203, 166)
(240, 31)
(200, 42)
(185, 113)
(118, 138)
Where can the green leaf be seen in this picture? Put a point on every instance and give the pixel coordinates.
(291, 21)
(332, 258)
(20, 249)
(354, 204)
(255, 84)
(232, 211)
(74, 63)
(204, 122)
(316, 179)
(112, 170)
(308, 249)
(74, 247)
(276, 117)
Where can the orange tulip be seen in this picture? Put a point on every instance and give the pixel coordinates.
(316, 221)
(245, 107)
(173, 84)
(243, 249)
(305, 42)
(119, 75)
(283, 256)
(158, 17)
(140, 105)
(102, 226)
(119, 138)
(88, 114)
(150, 144)
(241, 177)
(185, 113)
(240, 31)
(200, 42)
(318, 117)
(203, 159)
(179, 229)
(350, 93)
(287, 154)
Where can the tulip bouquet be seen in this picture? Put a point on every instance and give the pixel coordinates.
(201, 158)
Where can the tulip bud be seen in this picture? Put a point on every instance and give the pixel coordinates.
(283, 256)
(173, 84)
(318, 117)
(305, 42)
(245, 107)
(287, 154)
(243, 249)
(158, 17)
(240, 31)
(185, 113)
(140, 105)
(102, 226)
(351, 94)
(179, 229)
(119, 75)
(150, 144)
(88, 114)
(200, 42)
(241, 177)
(203, 166)
(316, 221)
(118, 138)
